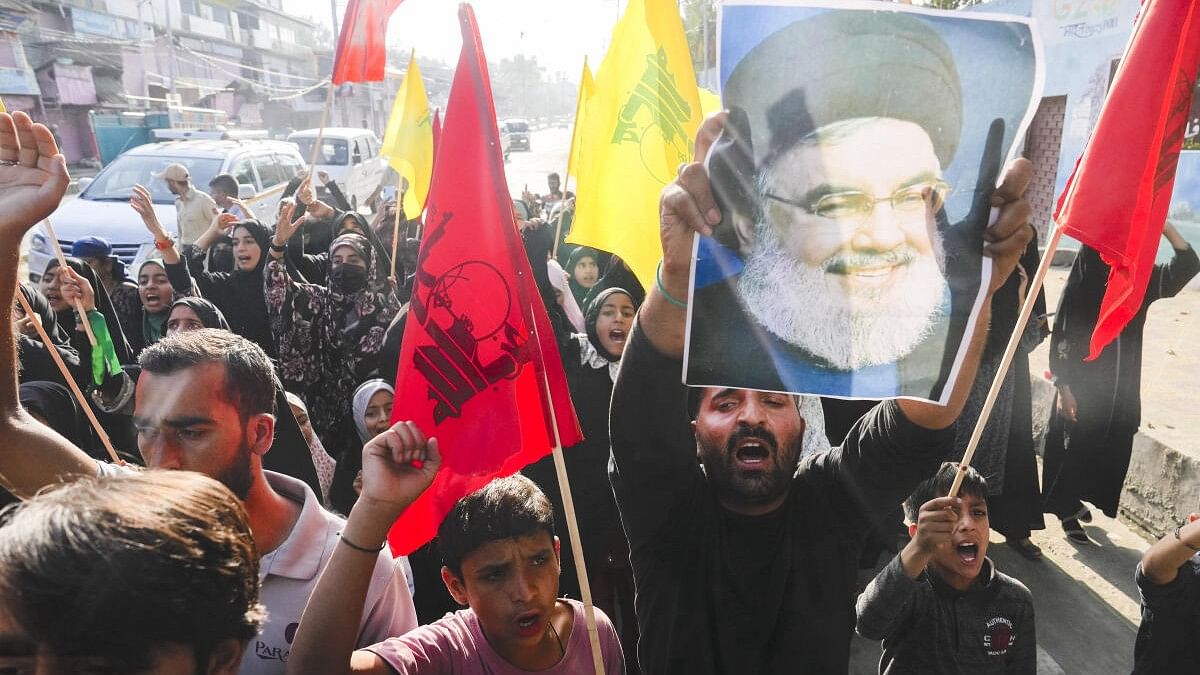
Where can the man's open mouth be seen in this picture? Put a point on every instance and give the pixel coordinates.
(617, 335)
(967, 553)
(752, 452)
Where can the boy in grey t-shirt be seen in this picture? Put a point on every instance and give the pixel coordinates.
(940, 606)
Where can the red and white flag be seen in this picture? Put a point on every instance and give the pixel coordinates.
(479, 364)
(1117, 198)
(361, 53)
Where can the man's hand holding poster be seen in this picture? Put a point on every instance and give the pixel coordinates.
(853, 176)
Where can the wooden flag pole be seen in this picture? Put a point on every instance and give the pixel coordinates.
(35, 319)
(396, 224)
(316, 151)
(62, 262)
(562, 209)
(564, 487)
(1013, 341)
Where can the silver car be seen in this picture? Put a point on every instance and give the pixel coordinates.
(102, 207)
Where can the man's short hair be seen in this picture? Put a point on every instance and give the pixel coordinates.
(939, 484)
(225, 183)
(506, 508)
(111, 568)
(249, 376)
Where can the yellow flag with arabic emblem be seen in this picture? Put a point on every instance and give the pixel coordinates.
(408, 139)
(640, 123)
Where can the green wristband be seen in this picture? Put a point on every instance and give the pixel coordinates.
(662, 289)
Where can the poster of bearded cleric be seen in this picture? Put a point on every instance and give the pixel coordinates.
(853, 175)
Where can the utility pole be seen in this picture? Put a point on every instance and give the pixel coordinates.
(333, 14)
(171, 55)
(704, 43)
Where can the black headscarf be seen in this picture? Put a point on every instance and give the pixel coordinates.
(53, 402)
(207, 312)
(68, 319)
(40, 305)
(593, 315)
(383, 257)
(577, 255)
(239, 294)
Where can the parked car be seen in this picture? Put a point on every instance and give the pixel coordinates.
(505, 140)
(518, 131)
(102, 207)
(349, 156)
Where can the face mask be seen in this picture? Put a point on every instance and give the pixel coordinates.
(348, 278)
(220, 259)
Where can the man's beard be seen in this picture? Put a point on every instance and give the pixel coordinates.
(237, 476)
(750, 488)
(795, 302)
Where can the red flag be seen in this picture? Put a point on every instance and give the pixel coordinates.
(1116, 200)
(361, 53)
(479, 353)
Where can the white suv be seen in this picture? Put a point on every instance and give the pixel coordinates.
(349, 156)
(102, 207)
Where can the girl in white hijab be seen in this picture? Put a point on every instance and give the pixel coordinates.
(372, 406)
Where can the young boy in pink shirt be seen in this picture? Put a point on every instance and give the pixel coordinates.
(501, 560)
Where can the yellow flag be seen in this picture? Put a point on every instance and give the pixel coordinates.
(408, 139)
(2, 108)
(640, 124)
(586, 85)
(709, 102)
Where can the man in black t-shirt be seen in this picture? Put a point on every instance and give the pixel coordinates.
(745, 562)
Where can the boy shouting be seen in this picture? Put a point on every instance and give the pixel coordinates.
(501, 560)
(940, 606)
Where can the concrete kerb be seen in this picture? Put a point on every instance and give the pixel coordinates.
(1162, 485)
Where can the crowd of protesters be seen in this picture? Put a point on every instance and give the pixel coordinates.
(721, 528)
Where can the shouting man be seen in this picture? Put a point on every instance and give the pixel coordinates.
(745, 561)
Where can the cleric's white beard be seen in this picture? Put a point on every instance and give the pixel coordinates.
(796, 303)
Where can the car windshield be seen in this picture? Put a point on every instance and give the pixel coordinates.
(518, 126)
(116, 181)
(334, 151)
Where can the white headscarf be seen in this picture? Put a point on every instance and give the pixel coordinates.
(322, 462)
(558, 279)
(362, 399)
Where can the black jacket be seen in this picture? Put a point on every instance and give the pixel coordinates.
(722, 593)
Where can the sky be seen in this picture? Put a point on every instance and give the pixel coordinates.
(558, 32)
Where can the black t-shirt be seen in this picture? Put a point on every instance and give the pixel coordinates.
(723, 593)
(1168, 641)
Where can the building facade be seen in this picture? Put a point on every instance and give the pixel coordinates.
(63, 60)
